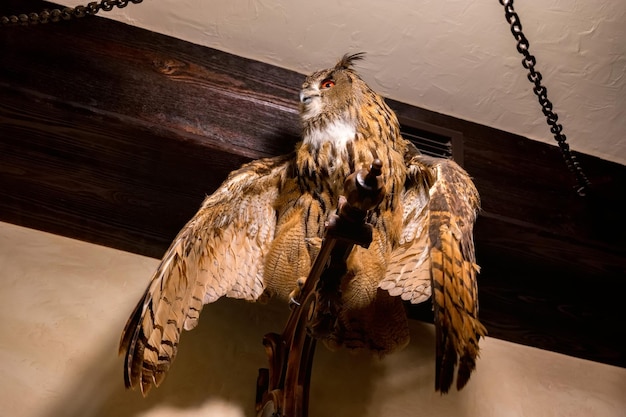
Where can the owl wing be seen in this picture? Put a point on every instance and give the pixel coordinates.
(219, 252)
(436, 255)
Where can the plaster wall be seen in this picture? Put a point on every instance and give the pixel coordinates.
(455, 57)
(63, 304)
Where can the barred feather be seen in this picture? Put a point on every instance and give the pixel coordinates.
(219, 252)
(453, 205)
(435, 257)
(259, 232)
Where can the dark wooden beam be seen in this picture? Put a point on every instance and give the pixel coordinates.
(114, 135)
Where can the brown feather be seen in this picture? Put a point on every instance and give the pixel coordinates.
(262, 228)
(453, 206)
(202, 264)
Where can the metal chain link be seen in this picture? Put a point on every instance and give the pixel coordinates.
(541, 92)
(67, 13)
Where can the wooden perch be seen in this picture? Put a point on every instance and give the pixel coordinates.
(283, 389)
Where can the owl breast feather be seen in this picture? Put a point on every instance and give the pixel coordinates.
(339, 132)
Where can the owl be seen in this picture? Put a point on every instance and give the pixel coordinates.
(258, 234)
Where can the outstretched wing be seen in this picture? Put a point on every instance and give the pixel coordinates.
(218, 253)
(436, 257)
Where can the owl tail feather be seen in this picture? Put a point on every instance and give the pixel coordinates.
(467, 364)
(446, 362)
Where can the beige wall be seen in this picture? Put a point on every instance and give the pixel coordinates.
(63, 304)
(455, 57)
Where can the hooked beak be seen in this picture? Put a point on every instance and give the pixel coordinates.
(306, 96)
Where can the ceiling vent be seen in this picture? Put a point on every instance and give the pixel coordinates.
(433, 140)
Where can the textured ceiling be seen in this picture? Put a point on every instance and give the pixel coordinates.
(455, 57)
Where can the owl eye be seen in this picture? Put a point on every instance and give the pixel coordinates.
(327, 83)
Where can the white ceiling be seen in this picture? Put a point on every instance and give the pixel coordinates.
(455, 57)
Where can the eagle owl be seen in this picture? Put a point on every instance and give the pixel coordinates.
(259, 233)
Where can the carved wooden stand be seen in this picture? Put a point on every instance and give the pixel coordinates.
(283, 389)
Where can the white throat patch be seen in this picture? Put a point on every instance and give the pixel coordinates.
(338, 132)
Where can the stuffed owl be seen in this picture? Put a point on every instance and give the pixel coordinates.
(260, 231)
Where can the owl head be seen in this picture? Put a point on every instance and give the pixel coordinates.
(330, 93)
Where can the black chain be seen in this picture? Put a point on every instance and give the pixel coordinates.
(541, 92)
(67, 13)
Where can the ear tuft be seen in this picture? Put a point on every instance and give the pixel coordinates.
(348, 60)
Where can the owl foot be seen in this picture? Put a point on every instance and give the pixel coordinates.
(295, 294)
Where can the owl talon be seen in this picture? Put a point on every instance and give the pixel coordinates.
(295, 294)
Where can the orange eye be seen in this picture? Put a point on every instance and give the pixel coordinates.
(327, 83)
